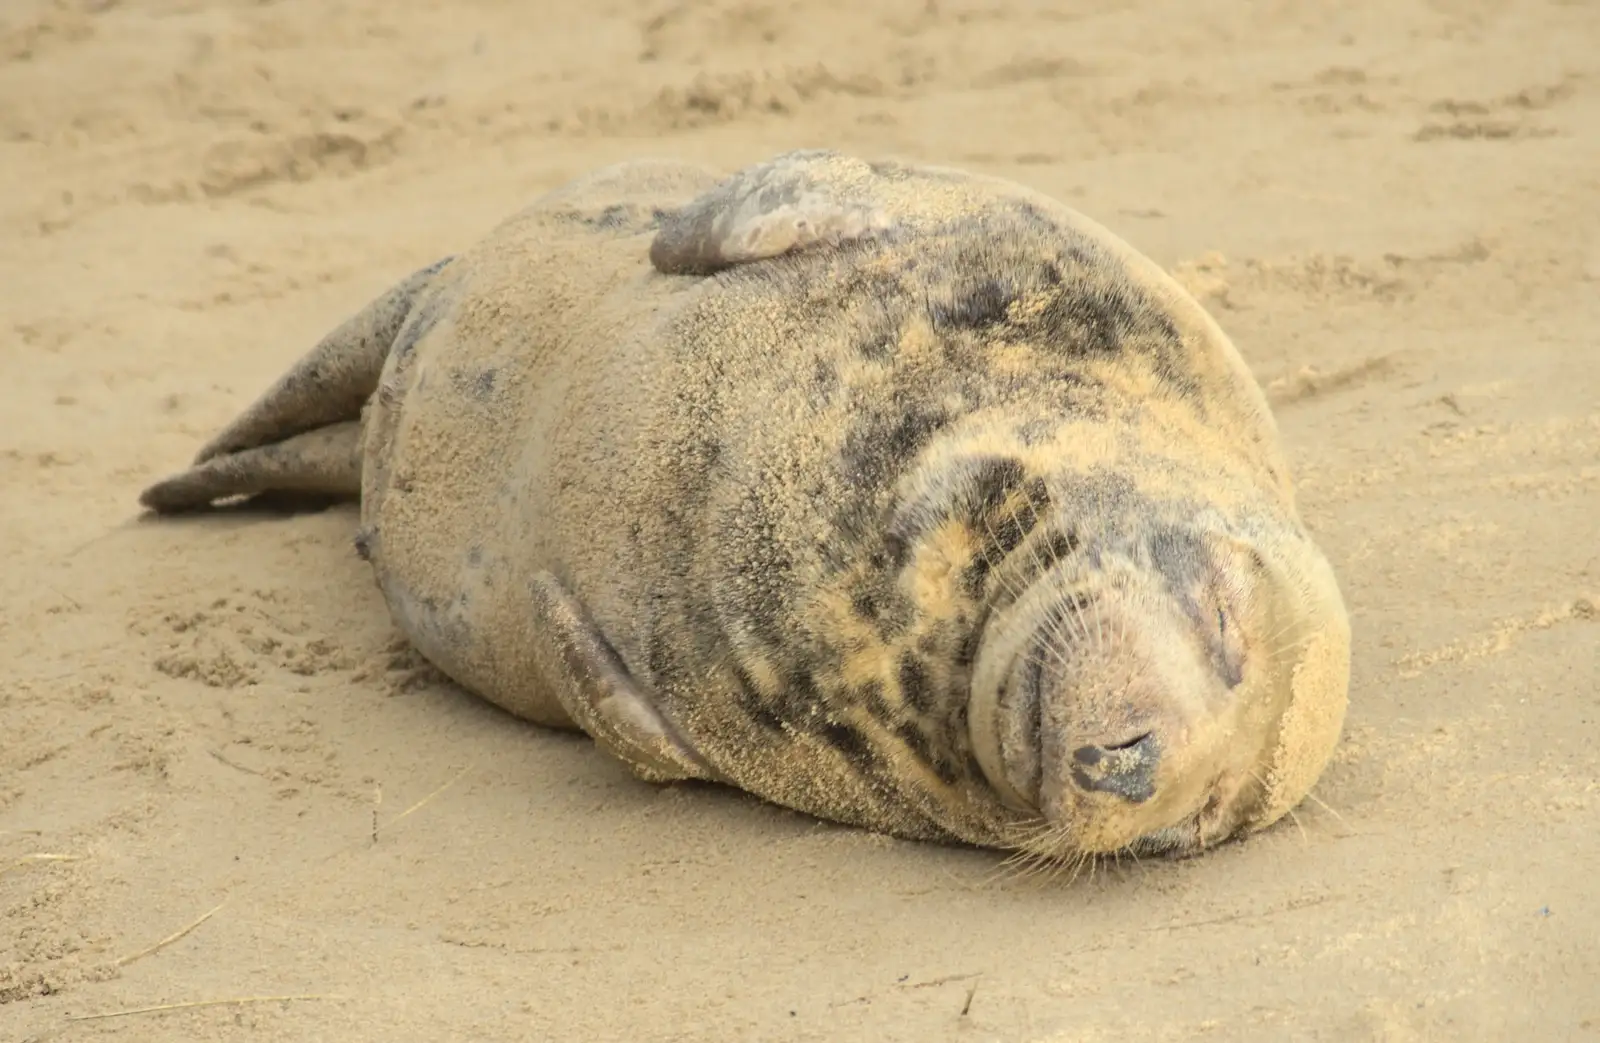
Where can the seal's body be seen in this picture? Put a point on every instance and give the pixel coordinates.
(892, 494)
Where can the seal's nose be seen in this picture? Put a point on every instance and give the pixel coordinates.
(1125, 769)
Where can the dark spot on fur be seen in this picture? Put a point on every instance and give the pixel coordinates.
(974, 769)
(1034, 218)
(1179, 556)
(878, 448)
(658, 657)
(1081, 305)
(916, 688)
(974, 576)
(917, 741)
(895, 551)
(996, 478)
(976, 490)
(1037, 493)
(765, 718)
(875, 599)
(876, 347)
(474, 384)
(755, 552)
(968, 649)
(1007, 534)
(824, 376)
(801, 700)
(757, 706)
(1005, 531)
(851, 744)
(1088, 321)
(475, 557)
(1058, 546)
(977, 306)
(614, 216)
(1072, 246)
(870, 695)
(864, 602)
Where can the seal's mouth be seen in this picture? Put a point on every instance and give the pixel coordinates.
(1008, 710)
(1020, 729)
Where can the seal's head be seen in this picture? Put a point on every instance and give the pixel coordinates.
(1161, 691)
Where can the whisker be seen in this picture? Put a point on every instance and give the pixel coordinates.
(1282, 652)
(1283, 629)
(1329, 809)
(997, 568)
(1064, 626)
(1033, 551)
(1075, 606)
(1304, 838)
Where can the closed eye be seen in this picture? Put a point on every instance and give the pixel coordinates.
(1228, 651)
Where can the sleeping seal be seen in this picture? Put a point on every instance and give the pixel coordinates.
(903, 497)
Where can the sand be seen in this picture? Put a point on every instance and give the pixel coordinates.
(1392, 205)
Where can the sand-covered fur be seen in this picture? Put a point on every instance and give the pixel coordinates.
(896, 495)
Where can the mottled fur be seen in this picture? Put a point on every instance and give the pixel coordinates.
(796, 455)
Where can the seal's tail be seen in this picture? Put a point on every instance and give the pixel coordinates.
(303, 434)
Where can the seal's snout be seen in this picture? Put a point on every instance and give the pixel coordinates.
(1124, 769)
(1154, 705)
(1109, 727)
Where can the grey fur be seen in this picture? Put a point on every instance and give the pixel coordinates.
(768, 479)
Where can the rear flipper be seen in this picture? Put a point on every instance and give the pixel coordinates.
(284, 441)
(593, 684)
(788, 203)
(326, 461)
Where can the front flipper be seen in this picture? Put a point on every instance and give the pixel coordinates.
(788, 203)
(596, 690)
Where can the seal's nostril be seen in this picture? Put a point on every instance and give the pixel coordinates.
(1126, 769)
(1092, 755)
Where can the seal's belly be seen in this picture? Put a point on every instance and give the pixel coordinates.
(514, 417)
(449, 532)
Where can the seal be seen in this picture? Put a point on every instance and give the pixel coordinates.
(893, 494)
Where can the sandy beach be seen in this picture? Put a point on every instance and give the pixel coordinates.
(233, 804)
